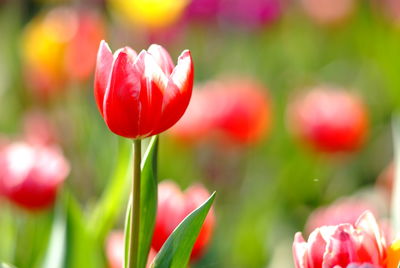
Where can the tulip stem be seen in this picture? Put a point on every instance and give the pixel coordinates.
(135, 213)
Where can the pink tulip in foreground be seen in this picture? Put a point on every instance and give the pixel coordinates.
(140, 95)
(358, 245)
(30, 176)
(173, 206)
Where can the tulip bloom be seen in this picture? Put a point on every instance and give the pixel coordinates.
(60, 46)
(393, 258)
(173, 207)
(329, 120)
(142, 95)
(238, 111)
(30, 176)
(115, 250)
(342, 246)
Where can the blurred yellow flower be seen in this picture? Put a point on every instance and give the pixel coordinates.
(393, 257)
(153, 14)
(60, 46)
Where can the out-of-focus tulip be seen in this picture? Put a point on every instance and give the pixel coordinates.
(342, 211)
(30, 176)
(151, 14)
(343, 245)
(60, 46)
(173, 206)
(329, 12)
(236, 110)
(115, 250)
(142, 95)
(251, 13)
(329, 119)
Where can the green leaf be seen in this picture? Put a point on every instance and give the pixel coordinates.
(115, 195)
(56, 251)
(5, 265)
(175, 253)
(148, 204)
(127, 232)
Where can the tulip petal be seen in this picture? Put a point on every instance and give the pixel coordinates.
(121, 100)
(367, 223)
(153, 83)
(316, 249)
(178, 93)
(341, 249)
(300, 251)
(162, 58)
(102, 73)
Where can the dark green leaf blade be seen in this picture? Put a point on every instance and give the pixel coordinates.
(175, 253)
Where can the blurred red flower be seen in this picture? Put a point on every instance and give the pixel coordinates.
(60, 46)
(142, 95)
(31, 175)
(38, 129)
(342, 246)
(236, 110)
(115, 250)
(173, 206)
(329, 119)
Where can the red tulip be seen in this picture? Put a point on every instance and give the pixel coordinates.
(342, 246)
(173, 207)
(30, 176)
(115, 250)
(142, 95)
(237, 110)
(330, 120)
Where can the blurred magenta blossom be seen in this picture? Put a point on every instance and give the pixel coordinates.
(31, 175)
(251, 13)
(345, 245)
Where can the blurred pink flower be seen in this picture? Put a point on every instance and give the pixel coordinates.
(115, 250)
(342, 246)
(203, 10)
(329, 119)
(329, 12)
(31, 175)
(342, 211)
(235, 111)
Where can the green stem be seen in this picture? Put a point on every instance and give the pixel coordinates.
(135, 213)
